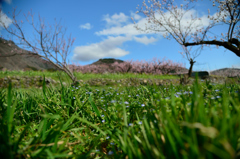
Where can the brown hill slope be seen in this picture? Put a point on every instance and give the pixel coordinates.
(107, 61)
(21, 62)
(230, 72)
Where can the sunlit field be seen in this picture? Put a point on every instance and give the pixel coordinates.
(172, 121)
(80, 76)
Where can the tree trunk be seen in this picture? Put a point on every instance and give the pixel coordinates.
(191, 66)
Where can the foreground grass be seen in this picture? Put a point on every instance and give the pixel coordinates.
(198, 121)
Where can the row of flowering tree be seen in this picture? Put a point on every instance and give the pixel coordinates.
(156, 66)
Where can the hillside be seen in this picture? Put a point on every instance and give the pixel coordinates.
(107, 61)
(21, 62)
(232, 72)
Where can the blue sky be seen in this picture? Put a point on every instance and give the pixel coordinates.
(104, 29)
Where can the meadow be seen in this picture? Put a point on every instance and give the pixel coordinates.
(168, 121)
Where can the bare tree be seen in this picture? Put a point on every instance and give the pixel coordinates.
(48, 43)
(175, 23)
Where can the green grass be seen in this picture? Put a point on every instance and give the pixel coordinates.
(54, 75)
(85, 77)
(197, 121)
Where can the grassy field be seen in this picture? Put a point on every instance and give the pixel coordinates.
(175, 121)
(79, 76)
(65, 78)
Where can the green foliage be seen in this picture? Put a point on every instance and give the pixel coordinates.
(175, 121)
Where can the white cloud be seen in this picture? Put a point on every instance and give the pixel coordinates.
(4, 19)
(145, 40)
(125, 30)
(86, 26)
(120, 28)
(129, 29)
(116, 19)
(107, 48)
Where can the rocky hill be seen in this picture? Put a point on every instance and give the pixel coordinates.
(107, 61)
(230, 72)
(10, 60)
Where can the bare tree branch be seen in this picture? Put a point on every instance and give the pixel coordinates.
(44, 45)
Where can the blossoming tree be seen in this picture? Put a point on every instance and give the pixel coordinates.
(180, 24)
(49, 44)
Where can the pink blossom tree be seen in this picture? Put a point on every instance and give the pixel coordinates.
(124, 67)
(49, 44)
(166, 17)
(152, 67)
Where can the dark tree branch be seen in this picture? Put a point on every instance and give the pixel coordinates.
(228, 45)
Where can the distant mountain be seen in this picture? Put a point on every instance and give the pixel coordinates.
(21, 62)
(104, 63)
(107, 61)
(232, 72)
